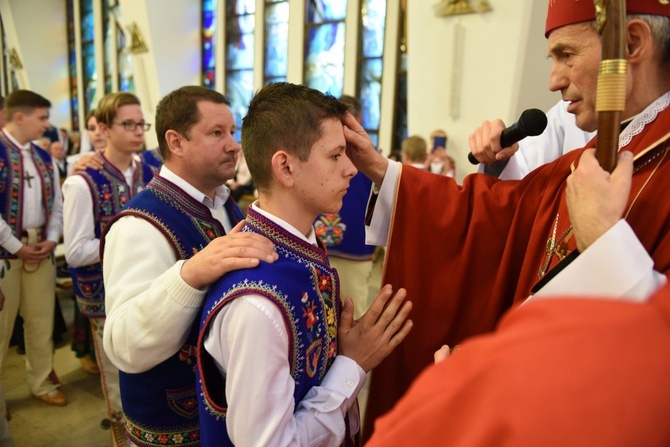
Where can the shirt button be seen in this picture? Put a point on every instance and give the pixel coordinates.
(350, 383)
(326, 407)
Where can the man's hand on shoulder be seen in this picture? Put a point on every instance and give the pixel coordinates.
(376, 334)
(237, 250)
(88, 161)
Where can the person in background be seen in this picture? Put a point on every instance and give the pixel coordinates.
(28, 236)
(414, 152)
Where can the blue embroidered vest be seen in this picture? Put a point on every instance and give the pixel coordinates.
(160, 405)
(110, 193)
(344, 232)
(11, 186)
(153, 158)
(305, 289)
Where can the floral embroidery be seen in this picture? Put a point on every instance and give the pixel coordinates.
(330, 228)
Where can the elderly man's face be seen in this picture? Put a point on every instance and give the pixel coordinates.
(576, 52)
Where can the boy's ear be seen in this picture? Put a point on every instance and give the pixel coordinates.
(282, 169)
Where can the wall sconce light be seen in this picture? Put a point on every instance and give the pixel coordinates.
(14, 59)
(137, 44)
(455, 7)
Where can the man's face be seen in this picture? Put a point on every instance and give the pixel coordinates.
(576, 52)
(322, 181)
(210, 150)
(35, 123)
(57, 150)
(117, 136)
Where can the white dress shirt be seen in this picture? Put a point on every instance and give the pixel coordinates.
(249, 343)
(590, 274)
(34, 215)
(82, 247)
(150, 309)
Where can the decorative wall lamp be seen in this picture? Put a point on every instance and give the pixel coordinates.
(455, 7)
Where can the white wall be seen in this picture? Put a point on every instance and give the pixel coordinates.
(37, 30)
(503, 59)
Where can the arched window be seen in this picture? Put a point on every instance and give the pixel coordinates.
(324, 45)
(240, 25)
(208, 29)
(276, 41)
(371, 51)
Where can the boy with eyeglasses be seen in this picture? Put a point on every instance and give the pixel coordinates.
(91, 199)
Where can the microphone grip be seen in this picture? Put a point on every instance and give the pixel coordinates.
(511, 135)
(472, 159)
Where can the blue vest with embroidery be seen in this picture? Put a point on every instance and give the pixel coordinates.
(344, 232)
(11, 186)
(160, 405)
(305, 289)
(110, 193)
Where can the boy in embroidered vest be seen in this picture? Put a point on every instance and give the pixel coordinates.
(161, 253)
(91, 199)
(30, 227)
(276, 363)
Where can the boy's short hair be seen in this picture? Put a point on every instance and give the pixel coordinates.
(24, 101)
(288, 117)
(416, 148)
(110, 104)
(178, 111)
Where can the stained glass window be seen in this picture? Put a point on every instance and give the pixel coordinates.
(72, 66)
(109, 51)
(276, 41)
(88, 53)
(371, 50)
(4, 90)
(324, 45)
(208, 44)
(400, 112)
(124, 61)
(240, 26)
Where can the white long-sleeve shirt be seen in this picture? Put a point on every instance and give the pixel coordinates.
(82, 247)
(34, 215)
(150, 308)
(590, 274)
(249, 344)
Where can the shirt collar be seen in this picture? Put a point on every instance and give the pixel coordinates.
(16, 143)
(220, 196)
(310, 238)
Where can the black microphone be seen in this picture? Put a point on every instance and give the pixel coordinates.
(532, 122)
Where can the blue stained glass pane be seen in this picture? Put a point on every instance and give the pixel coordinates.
(245, 7)
(85, 7)
(319, 11)
(324, 61)
(87, 31)
(277, 13)
(400, 132)
(374, 136)
(373, 19)
(241, 24)
(275, 79)
(370, 94)
(276, 49)
(240, 54)
(208, 78)
(239, 88)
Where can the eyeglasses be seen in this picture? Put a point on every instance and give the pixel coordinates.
(131, 126)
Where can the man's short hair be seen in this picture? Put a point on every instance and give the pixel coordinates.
(178, 111)
(111, 103)
(288, 117)
(24, 101)
(416, 148)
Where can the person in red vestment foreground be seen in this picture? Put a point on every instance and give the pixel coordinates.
(574, 371)
(487, 245)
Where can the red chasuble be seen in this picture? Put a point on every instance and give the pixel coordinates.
(557, 372)
(468, 253)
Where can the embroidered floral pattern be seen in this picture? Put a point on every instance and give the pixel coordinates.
(330, 228)
(147, 437)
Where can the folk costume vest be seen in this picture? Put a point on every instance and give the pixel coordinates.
(11, 185)
(110, 193)
(344, 232)
(160, 405)
(304, 288)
